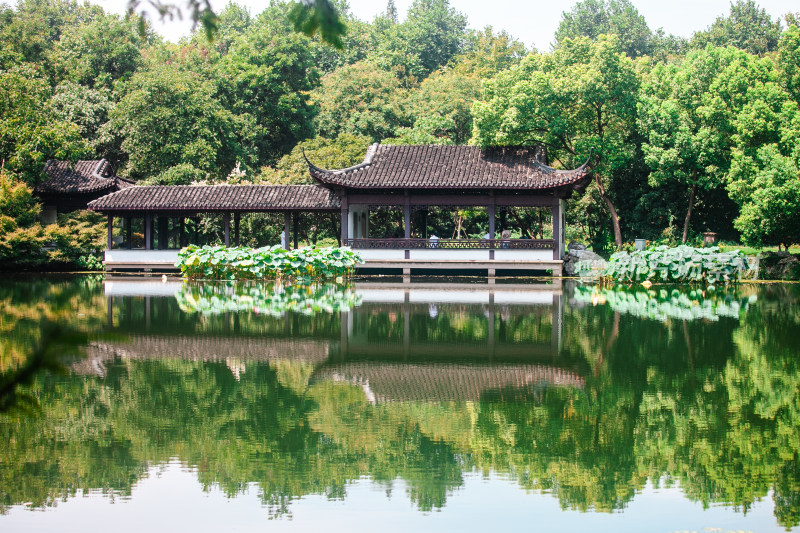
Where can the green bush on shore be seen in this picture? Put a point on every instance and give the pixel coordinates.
(222, 262)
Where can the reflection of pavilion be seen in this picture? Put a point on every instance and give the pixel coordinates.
(404, 342)
(412, 313)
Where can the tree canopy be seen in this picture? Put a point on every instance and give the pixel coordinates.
(667, 119)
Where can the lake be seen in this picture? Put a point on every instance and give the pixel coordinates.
(430, 406)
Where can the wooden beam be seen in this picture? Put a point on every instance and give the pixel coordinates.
(452, 200)
(236, 218)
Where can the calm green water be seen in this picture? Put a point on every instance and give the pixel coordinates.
(426, 407)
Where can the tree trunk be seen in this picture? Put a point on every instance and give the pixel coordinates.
(523, 227)
(688, 214)
(611, 211)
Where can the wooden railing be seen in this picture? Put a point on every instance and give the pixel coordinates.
(450, 244)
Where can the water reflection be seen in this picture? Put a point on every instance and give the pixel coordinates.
(685, 303)
(265, 298)
(583, 402)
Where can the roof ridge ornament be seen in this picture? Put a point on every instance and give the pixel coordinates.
(371, 151)
(585, 167)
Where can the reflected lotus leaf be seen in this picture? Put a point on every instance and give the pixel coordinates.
(271, 299)
(681, 304)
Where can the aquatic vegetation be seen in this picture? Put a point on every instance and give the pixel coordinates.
(710, 304)
(222, 262)
(682, 263)
(269, 299)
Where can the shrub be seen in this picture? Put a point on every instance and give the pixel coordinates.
(221, 262)
(682, 263)
(67, 244)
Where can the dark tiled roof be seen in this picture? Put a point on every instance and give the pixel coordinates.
(384, 382)
(451, 167)
(81, 177)
(206, 198)
(234, 350)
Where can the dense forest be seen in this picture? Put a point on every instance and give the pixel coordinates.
(694, 135)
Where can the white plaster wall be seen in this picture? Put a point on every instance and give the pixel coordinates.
(383, 296)
(142, 288)
(455, 255)
(140, 256)
(533, 297)
(524, 255)
(442, 297)
(381, 254)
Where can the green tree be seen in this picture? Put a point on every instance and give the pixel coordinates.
(686, 125)
(746, 27)
(31, 131)
(580, 97)
(182, 174)
(432, 34)
(592, 18)
(85, 107)
(30, 32)
(265, 79)
(99, 52)
(170, 117)
(360, 99)
(17, 201)
(441, 107)
(767, 187)
(789, 60)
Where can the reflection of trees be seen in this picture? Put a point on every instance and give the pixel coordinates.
(713, 405)
(26, 303)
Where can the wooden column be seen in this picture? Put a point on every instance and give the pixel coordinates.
(407, 222)
(236, 218)
(128, 232)
(491, 211)
(294, 226)
(148, 232)
(406, 325)
(182, 233)
(490, 341)
(286, 228)
(110, 230)
(344, 220)
(163, 233)
(556, 230)
(226, 220)
(364, 225)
